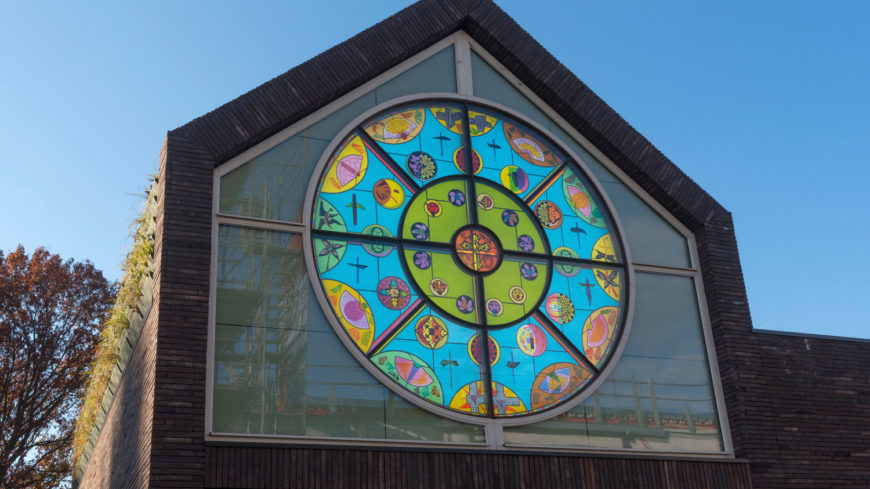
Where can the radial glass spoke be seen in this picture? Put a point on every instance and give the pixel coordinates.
(360, 193)
(429, 355)
(361, 286)
(570, 212)
(584, 304)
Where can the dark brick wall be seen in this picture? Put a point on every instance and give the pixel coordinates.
(799, 407)
(121, 457)
(730, 321)
(178, 449)
(809, 412)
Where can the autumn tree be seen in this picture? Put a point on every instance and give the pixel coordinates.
(50, 315)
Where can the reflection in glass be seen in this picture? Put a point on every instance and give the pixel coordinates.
(279, 368)
(272, 185)
(659, 396)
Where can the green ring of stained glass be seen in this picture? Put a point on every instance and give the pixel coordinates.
(458, 234)
(468, 261)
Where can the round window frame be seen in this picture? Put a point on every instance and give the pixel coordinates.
(312, 192)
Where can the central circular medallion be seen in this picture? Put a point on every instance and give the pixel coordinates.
(477, 249)
(454, 248)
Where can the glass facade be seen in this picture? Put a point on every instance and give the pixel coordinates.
(659, 396)
(280, 368)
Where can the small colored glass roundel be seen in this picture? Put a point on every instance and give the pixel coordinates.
(477, 250)
(467, 261)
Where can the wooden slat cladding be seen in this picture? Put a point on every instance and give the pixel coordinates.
(250, 467)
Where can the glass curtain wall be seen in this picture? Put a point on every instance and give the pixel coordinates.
(279, 368)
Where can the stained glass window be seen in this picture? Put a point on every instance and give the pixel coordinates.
(468, 262)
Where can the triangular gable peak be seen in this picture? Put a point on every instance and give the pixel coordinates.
(458, 65)
(268, 110)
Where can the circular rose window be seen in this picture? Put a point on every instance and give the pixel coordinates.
(467, 261)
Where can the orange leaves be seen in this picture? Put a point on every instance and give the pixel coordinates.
(50, 315)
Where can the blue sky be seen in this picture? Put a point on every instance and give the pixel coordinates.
(764, 104)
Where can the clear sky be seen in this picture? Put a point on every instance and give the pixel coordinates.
(764, 104)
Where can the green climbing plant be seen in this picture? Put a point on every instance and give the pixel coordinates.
(135, 267)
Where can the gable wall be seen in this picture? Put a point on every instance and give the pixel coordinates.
(799, 417)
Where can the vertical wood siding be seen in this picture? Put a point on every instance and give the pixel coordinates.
(249, 467)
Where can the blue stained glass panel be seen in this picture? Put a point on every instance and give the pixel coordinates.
(510, 154)
(443, 345)
(424, 141)
(372, 289)
(586, 308)
(535, 365)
